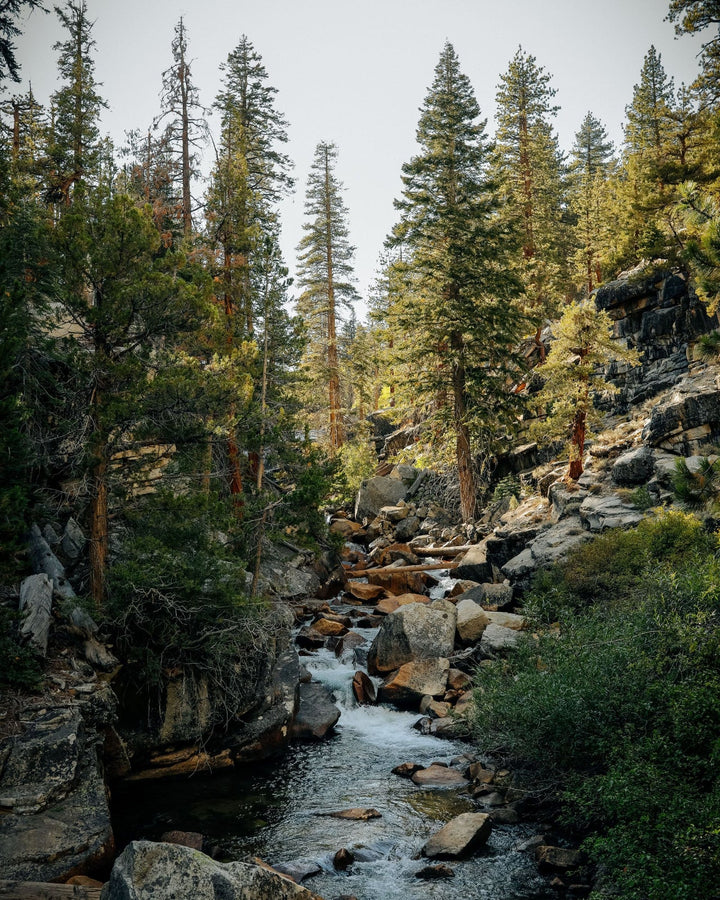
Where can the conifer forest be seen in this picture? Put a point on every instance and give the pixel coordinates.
(309, 590)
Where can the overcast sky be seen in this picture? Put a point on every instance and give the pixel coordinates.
(356, 71)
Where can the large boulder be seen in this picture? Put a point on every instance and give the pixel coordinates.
(460, 837)
(377, 492)
(474, 564)
(153, 871)
(471, 621)
(497, 640)
(415, 680)
(317, 714)
(413, 632)
(56, 820)
(36, 610)
(634, 467)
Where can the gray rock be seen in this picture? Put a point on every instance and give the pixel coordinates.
(460, 837)
(36, 609)
(317, 714)
(565, 500)
(410, 683)
(634, 467)
(151, 871)
(474, 564)
(609, 511)
(412, 632)
(44, 560)
(497, 640)
(507, 620)
(377, 492)
(407, 529)
(689, 418)
(552, 544)
(471, 621)
(73, 540)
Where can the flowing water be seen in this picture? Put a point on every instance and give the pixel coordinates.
(279, 811)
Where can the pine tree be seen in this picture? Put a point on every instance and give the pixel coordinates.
(461, 317)
(251, 174)
(573, 375)
(127, 302)
(592, 157)
(529, 166)
(648, 116)
(690, 17)
(75, 145)
(185, 121)
(10, 11)
(325, 274)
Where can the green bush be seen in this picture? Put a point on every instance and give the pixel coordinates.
(357, 462)
(618, 715)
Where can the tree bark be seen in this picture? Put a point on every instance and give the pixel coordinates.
(463, 452)
(577, 444)
(336, 431)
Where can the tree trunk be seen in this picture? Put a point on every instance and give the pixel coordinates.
(186, 198)
(577, 444)
(463, 452)
(336, 431)
(98, 544)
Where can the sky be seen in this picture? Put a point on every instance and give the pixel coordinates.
(355, 72)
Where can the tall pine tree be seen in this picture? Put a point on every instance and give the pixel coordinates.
(325, 274)
(461, 317)
(529, 165)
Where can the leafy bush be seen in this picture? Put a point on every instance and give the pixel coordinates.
(619, 714)
(357, 462)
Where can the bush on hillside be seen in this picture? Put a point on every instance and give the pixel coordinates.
(619, 714)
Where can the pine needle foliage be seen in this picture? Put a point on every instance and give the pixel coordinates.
(458, 315)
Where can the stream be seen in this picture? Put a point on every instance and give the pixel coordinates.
(278, 811)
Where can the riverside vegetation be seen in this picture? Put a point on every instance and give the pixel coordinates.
(172, 440)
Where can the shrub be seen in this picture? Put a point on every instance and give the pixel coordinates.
(357, 462)
(619, 714)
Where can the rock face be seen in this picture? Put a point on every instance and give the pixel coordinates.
(690, 418)
(413, 632)
(55, 821)
(660, 316)
(608, 511)
(415, 680)
(460, 837)
(152, 871)
(44, 561)
(377, 492)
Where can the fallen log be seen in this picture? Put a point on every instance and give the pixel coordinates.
(40, 890)
(389, 570)
(442, 551)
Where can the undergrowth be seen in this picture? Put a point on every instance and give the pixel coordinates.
(618, 715)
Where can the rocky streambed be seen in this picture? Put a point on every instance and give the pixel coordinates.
(360, 806)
